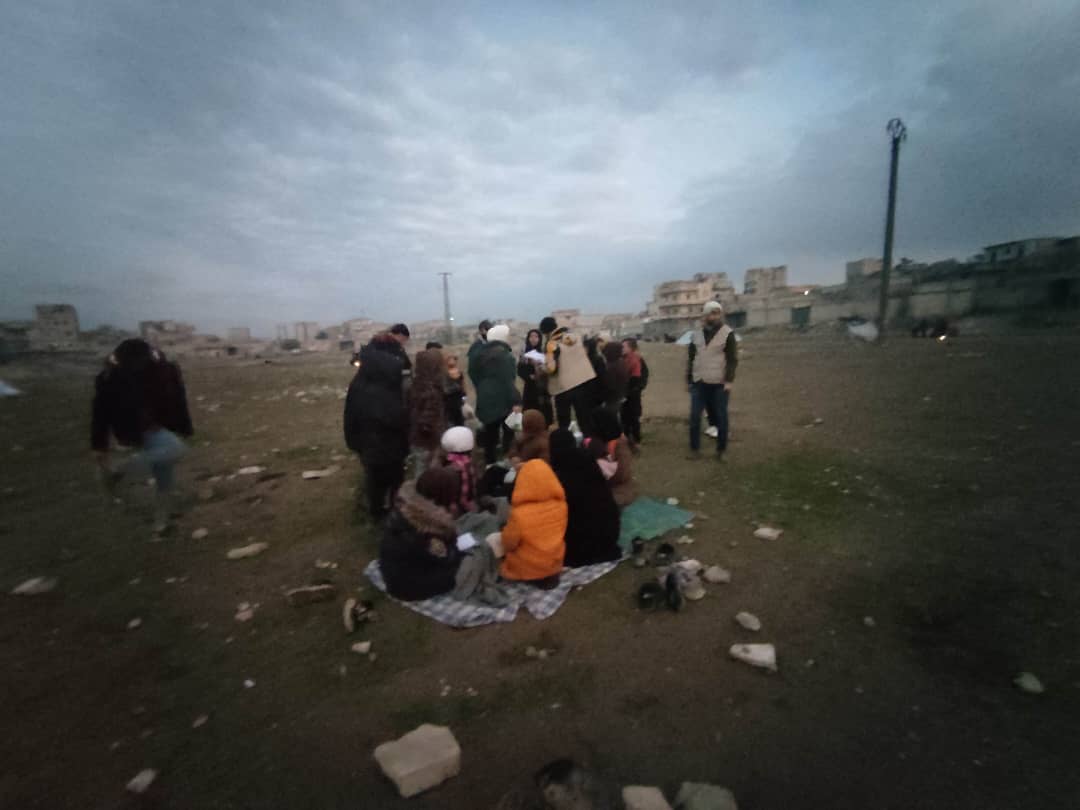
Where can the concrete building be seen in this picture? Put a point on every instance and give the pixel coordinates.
(167, 333)
(238, 334)
(1010, 251)
(861, 268)
(764, 280)
(676, 305)
(15, 337)
(56, 328)
(306, 331)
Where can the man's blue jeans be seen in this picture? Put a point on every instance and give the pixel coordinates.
(160, 451)
(713, 400)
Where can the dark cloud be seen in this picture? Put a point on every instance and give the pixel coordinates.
(246, 163)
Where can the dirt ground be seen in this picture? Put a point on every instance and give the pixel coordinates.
(936, 496)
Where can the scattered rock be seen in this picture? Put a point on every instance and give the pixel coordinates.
(325, 564)
(420, 760)
(672, 501)
(869, 621)
(768, 533)
(531, 652)
(689, 526)
(309, 475)
(200, 721)
(249, 683)
(253, 470)
(748, 621)
(756, 655)
(247, 551)
(35, 586)
(715, 575)
(685, 540)
(309, 594)
(696, 796)
(142, 780)
(245, 612)
(1029, 683)
(200, 534)
(636, 797)
(134, 624)
(690, 566)
(361, 647)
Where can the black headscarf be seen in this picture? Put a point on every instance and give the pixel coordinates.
(592, 529)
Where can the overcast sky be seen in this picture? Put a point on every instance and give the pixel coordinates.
(244, 163)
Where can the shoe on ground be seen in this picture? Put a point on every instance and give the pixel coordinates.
(348, 615)
(712, 431)
(672, 592)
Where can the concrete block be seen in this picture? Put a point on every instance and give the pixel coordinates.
(420, 760)
(636, 797)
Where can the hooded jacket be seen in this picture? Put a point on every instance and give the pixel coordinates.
(593, 523)
(494, 379)
(533, 441)
(376, 419)
(533, 538)
(418, 553)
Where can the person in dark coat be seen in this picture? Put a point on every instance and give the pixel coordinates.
(140, 400)
(592, 531)
(454, 392)
(496, 395)
(427, 408)
(534, 395)
(474, 349)
(376, 419)
(614, 379)
(418, 554)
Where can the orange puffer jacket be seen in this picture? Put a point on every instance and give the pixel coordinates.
(534, 537)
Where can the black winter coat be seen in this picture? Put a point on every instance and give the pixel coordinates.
(376, 417)
(129, 403)
(592, 529)
(418, 554)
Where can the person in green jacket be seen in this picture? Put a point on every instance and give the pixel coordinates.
(496, 395)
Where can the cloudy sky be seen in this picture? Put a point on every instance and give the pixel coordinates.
(244, 163)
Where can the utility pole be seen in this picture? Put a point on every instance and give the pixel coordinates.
(898, 132)
(447, 318)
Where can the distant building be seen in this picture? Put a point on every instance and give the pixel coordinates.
(239, 334)
(861, 268)
(56, 328)
(306, 331)
(764, 280)
(1010, 251)
(15, 337)
(167, 333)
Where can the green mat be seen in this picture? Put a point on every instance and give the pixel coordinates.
(647, 519)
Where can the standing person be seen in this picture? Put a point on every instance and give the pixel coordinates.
(569, 371)
(454, 391)
(639, 379)
(710, 372)
(376, 419)
(427, 408)
(496, 396)
(530, 369)
(140, 399)
(593, 522)
(615, 380)
(475, 348)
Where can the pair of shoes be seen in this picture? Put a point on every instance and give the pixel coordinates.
(712, 431)
(664, 555)
(672, 592)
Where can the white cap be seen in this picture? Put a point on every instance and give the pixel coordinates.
(458, 440)
(712, 306)
(500, 332)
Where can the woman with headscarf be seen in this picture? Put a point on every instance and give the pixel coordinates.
(592, 528)
(418, 554)
(530, 369)
(615, 378)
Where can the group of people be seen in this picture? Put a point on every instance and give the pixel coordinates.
(568, 440)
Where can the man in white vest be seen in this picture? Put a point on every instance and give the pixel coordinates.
(710, 372)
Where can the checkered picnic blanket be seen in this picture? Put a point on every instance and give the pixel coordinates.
(541, 604)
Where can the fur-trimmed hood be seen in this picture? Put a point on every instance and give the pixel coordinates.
(423, 514)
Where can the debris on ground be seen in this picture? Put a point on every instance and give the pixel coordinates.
(253, 470)
(869, 621)
(245, 612)
(142, 780)
(8, 390)
(715, 575)
(310, 475)
(691, 566)
(685, 540)
(637, 797)
(698, 796)
(323, 564)
(748, 621)
(249, 550)
(768, 533)
(540, 653)
(249, 683)
(134, 624)
(309, 594)
(356, 611)
(35, 586)
(361, 647)
(200, 534)
(200, 721)
(756, 655)
(672, 501)
(1029, 683)
(420, 760)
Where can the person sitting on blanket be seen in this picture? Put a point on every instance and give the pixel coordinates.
(457, 447)
(592, 529)
(533, 538)
(533, 441)
(612, 452)
(418, 554)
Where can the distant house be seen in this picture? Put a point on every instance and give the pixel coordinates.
(1011, 251)
(56, 328)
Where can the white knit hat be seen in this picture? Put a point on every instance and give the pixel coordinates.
(712, 306)
(458, 440)
(499, 332)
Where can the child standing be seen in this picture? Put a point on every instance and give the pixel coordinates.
(427, 408)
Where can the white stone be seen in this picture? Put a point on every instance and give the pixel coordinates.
(756, 655)
(690, 566)
(245, 614)
(685, 540)
(672, 501)
(748, 621)
(142, 780)
(253, 470)
(200, 534)
(309, 475)
(200, 721)
(35, 586)
(249, 683)
(361, 647)
(869, 621)
(715, 575)
(696, 796)
(1029, 683)
(420, 760)
(637, 797)
(768, 533)
(247, 551)
(134, 624)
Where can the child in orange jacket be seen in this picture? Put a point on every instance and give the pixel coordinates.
(534, 537)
